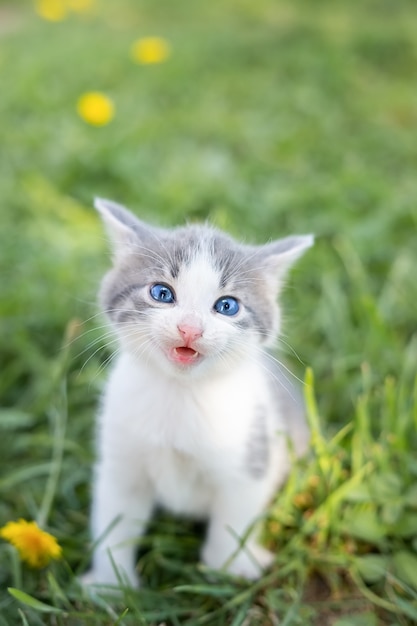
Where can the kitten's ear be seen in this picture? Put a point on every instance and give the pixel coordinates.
(126, 232)
(281, 254)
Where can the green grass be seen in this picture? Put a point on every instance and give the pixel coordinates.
(269, 118)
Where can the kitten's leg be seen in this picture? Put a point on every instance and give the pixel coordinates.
(120, 511)
(234, 509)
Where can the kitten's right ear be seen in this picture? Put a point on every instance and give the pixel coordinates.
(126, 232)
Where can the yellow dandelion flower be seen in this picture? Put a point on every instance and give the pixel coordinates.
(51, 10)
(95, 108)
(150, 50)
(35, 546)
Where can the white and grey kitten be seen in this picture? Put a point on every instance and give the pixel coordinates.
(196, 414)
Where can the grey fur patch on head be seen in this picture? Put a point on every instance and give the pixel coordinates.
(257, 451)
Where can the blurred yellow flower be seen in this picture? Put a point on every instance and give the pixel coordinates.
(95, 108)
(51, 10)
(34, 545)
(57, 10)
(150, 50)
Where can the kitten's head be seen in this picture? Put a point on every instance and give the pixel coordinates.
(191, 299)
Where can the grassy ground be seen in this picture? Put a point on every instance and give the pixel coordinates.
(268, 118)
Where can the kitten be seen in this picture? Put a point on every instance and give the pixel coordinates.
(196, 414)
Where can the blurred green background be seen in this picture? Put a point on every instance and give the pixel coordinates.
(268, 118)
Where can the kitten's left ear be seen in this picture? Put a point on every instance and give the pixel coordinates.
(125, 230)
(281, 254)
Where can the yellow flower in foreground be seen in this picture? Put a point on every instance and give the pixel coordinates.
(95, 108)
(51, 10)
(34, 545)
(150, 50)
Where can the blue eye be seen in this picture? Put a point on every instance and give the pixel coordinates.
(162, 293)
(227, 306)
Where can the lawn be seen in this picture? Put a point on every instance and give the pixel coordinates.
(267, 118)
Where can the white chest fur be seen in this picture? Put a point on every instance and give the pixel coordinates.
(195, 427)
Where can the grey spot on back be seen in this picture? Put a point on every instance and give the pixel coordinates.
(257, 452)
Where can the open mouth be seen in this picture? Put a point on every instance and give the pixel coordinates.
(183, 355)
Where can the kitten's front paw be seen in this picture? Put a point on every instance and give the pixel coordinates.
(249, 563)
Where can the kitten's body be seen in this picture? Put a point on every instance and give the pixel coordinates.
(195, 416)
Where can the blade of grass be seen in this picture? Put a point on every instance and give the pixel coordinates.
(59, 420)
(33, 603)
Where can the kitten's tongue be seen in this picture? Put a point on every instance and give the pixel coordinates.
(183, 354)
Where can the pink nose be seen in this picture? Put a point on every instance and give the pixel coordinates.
(189, 333)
